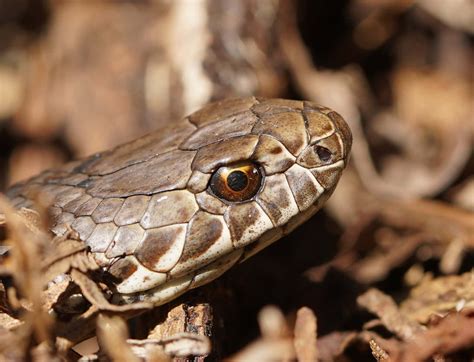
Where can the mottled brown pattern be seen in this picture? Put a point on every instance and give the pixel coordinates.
(328, 176)
(198, 181)
(246, 222)
(276, 198)
(319, 125)
(302, 184)
(235, 149)
(166, 208)
(276, 150)
(132, 210)
(122, 269)
(272, 209)
(210, 203)
(241, 217)
(157, 243)
(309, 158)
(140, 278)
(272, 155)
(125, 241)
(145, 210)
(204, 231)
(287, 127)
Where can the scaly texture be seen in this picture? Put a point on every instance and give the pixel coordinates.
(148, 215)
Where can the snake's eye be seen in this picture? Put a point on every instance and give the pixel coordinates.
(236, 183)
(323, 153)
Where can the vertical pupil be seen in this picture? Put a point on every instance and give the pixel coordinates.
(237, 180)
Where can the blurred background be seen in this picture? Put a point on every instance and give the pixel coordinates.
(77, 77)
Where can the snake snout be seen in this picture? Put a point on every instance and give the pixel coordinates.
(344, 132)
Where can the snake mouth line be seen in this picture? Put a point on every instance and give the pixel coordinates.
(173, 288)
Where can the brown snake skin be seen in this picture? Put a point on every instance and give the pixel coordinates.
(149, 215)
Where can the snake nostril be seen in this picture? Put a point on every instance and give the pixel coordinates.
(323, 153)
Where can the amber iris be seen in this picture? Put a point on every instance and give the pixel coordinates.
(237, 182)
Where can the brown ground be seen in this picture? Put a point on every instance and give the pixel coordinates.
(384, 271)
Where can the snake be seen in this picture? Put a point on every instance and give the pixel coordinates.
(176, 208)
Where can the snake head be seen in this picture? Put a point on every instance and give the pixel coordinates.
(270, 166)
(302, 149)
(175, 209)
(259, 168)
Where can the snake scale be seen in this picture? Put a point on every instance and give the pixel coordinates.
(176, 208)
